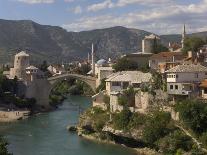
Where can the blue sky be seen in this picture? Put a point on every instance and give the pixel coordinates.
(158, 16)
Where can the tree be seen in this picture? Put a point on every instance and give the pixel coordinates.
(43, 66)
(102, 86)
(174, 142)
(194, 114)
(160, 48)
(192, 44)
(128, 97)
(3, 147)
(125, 64)
(122, 119)
(156, 126)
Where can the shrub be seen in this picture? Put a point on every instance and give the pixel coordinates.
(156, 126)
(194, 114)
(122, 119)
(175, 142)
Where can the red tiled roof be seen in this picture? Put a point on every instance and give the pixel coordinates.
(166, 55)
(203, 83)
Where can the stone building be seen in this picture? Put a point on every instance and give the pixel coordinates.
(21, 62)
(149, 43)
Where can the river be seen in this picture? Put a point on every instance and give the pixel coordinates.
(46, 134)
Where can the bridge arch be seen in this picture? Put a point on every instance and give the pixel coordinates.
(91, 81)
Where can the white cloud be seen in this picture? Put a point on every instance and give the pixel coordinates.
(77, 10)
(69, 1)
(100, 6)
(159, 19)
(121, 3)
(36, 1)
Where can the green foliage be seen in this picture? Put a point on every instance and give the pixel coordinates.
(160, 48)
(98, 118)
(203, 139)
(194, 114)
(175, 142)
(137, 120)
(122, 119)
(102, 86)
(156, 126)
(106, 100)
(124, 64)
(158, 82)
(43, 67)
(128, 97)
(192, 44)
(3, 147)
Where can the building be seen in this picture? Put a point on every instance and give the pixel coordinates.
(183, 80)
(165, 60)
(149, 43)
(21, 62)
(56, 70)
(141, 59)
(122, 80)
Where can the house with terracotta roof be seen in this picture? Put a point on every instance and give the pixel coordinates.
(165, 60)
(120, 81)
(184, 80)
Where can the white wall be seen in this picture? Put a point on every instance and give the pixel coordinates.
(187, 77)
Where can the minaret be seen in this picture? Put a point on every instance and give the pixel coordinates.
(88, 57)
(93, 59)
(183, 36)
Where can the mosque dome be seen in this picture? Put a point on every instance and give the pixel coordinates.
(101, 62)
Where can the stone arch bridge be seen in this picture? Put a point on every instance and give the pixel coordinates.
(48, 84)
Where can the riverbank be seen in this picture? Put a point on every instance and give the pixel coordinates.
(96, 138)
(12, 116)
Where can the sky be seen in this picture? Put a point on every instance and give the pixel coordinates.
(158, 16)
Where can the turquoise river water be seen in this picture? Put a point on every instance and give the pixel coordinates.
(46, 134)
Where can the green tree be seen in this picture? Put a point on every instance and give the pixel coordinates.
(43, 66)
(156, 126)
(125, 64)
(174, 142)
(102, 86)
(122, 119)
(192, 44)
(3, 147)
(194, 114)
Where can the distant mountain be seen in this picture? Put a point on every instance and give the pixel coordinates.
(55, 44)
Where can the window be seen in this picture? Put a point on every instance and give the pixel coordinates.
(116, 83)
(176, 87)
(125, 85)
(176, 75)
(171, 86)
(205, 90)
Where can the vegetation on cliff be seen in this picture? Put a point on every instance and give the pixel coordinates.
(8, 91)
(155, 130)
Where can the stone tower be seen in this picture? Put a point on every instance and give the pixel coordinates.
(149, 42)
(21, 62)
(183, 36)
(93, 60)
